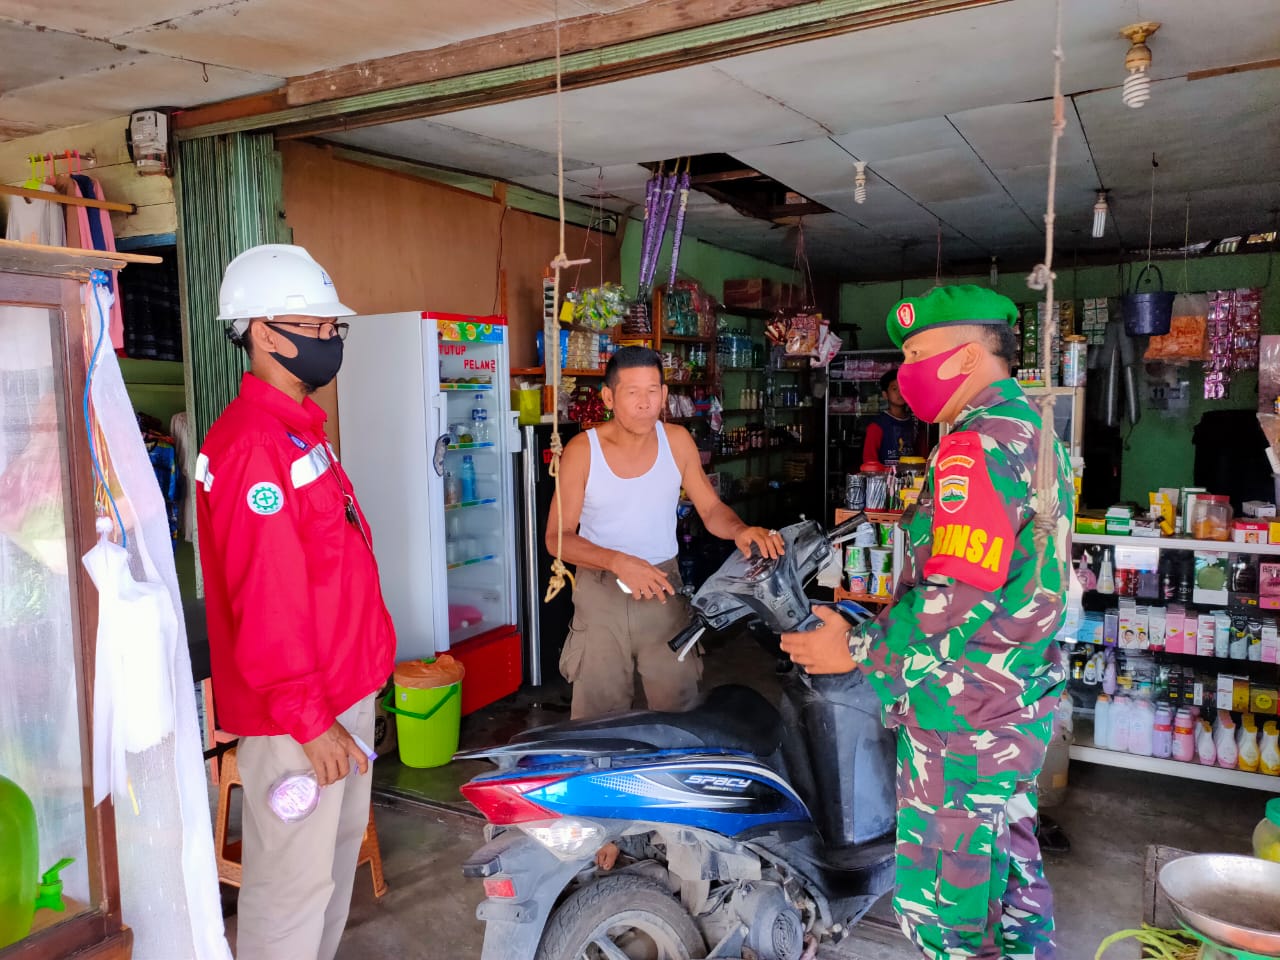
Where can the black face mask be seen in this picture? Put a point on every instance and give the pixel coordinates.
(317, 361)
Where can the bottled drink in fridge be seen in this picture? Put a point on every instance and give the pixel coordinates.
(479, 421)
(468, 479)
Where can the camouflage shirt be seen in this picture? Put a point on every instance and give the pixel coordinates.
(968, 643)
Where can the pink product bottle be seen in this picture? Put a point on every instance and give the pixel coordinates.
(1184, 738)
(1224, 741)
(1206, 752)
(1118, 732)
(1142, 718)
(1162, 732)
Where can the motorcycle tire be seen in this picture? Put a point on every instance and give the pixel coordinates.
(630, 913)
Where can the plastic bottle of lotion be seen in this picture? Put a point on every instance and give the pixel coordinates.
(1247, 744)
(1269, 752)
(1224, 741)
(1162, 735)
(1101, 721)
(1184, 737)
(1141, 728)
(1118, 730)
(1206, 752)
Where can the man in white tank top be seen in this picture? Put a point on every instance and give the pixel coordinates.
(619, 488)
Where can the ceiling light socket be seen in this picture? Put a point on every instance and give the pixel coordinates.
(1100, 209)
(1137, 63)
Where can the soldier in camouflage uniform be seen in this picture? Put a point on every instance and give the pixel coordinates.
(964, 660)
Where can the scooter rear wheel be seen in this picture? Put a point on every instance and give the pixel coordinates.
(621, 916)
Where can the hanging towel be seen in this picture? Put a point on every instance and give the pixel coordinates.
(90, 229)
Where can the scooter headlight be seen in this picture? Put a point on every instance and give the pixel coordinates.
(566, 837)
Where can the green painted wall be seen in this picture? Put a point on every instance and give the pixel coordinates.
(1158, 452)
(709, 265)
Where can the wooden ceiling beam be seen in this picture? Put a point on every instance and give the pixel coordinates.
(524, 45)
(785, 22)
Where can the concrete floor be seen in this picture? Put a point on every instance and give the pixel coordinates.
(1111, 816)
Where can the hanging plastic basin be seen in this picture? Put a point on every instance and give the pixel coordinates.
(1147, 314)
(427, 719)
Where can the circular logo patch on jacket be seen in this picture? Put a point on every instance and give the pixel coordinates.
(906, 316)
(265, 499)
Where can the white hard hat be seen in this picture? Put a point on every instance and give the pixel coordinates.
(276, 280)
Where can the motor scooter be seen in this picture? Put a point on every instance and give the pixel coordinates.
(741, 829)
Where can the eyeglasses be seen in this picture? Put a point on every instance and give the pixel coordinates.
(326, 330)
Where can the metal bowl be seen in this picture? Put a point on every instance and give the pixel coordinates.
(1232, 900)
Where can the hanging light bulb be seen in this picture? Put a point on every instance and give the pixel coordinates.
(1137, 63)
(860, 181)
(1100, 215)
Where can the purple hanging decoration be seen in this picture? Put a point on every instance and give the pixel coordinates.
(679, 230)
(660, 227)
(649, 192)
(652, 201)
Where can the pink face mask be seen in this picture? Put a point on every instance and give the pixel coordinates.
(925, 392)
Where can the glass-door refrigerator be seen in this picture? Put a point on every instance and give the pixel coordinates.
(427, 434)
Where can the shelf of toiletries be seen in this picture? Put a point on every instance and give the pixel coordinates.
(1085, 749)
(1173, 543)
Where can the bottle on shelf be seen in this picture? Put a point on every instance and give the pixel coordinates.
(479, 420)
(1224, 741)
(1184, 738)
(452, 488)
(1101, 720)
(1107, 575)
(1206, 751)
(1118, 728)
(1162, 733)
(1247, 744)
(1141, 728)
(468, 479)
(1269, 750)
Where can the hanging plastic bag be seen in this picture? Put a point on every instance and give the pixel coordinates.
(31, 508)
(1187, 339)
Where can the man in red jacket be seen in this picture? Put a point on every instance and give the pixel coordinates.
(299, 635)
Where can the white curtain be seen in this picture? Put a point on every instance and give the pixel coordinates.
(168, 876)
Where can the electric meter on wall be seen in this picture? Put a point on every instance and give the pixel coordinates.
(148, 137)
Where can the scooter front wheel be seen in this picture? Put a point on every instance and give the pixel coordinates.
(621, 916)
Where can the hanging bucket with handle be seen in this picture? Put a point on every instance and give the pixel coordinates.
(428, 707)
(1147, 314)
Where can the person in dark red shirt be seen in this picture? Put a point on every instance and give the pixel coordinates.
(299, 636)
(895, 432)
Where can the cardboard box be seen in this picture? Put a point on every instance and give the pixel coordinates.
(1259, 508)
(1120, 521)
(1174, 618)
(1270, 642)
(1125, 627)
(1204, 636)
(1211, 576)
(1240, 694)
(1221, 633)
(1269, 584)
(1157, 618)
(1273, 531)
(1264, 698)
(1110, 628)
(1226, 690)
(1250, 531)
(1091, 523)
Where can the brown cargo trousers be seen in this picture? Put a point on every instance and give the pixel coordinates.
(614, 636)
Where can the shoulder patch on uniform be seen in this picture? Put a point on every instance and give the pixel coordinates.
(973, 536)
(265, 499)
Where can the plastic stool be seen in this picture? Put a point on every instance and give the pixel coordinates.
(228, 854)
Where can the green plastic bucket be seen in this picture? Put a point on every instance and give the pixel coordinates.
(426, 723)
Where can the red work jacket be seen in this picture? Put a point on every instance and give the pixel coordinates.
(298, 630)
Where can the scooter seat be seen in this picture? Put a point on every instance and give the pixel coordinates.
(730, 718)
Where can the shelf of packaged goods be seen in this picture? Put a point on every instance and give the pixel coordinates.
(472, 562)
(1174, 543)
(581, 328)
(761, 410)
(747, 313)
(742, 370)
(528, 371)
(671, 338)
(875, 516)
(731, 457)
(471, 446)
(671, 384)
(470, 503)
(582, 373)
(863, 598)
(467, 387)
(1084, 750)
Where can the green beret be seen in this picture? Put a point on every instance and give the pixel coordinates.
(948, 306)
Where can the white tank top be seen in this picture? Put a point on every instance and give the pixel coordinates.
(636, 516)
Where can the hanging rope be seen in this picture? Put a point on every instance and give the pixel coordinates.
(1044, 526)
(559, 572)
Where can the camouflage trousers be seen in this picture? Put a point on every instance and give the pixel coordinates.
(970, 882)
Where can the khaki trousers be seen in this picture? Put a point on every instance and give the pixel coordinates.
(296, 888)
(614, 636)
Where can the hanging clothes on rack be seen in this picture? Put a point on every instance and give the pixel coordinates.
(90, 229)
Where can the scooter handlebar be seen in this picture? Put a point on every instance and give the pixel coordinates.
(688, 636)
